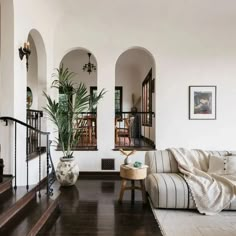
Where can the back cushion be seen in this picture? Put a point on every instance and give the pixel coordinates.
(161, 161)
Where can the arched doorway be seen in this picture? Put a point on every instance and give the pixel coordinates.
(36, 84)
(135, 99)
(83, 63)
(37, 73)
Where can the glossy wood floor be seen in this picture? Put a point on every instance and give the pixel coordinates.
(92, 208)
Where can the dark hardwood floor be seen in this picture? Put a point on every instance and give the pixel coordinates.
(91, 207)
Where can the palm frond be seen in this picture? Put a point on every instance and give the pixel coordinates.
(65, 113)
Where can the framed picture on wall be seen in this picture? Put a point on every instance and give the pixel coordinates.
(202, 102)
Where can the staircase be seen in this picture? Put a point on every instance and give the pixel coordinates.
(23, 212)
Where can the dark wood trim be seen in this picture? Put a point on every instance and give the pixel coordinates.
(85, 148)
(138, 148)
(147, 80)
(8, 176)
(99, 175)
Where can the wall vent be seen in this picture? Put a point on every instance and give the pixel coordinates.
(108, 164)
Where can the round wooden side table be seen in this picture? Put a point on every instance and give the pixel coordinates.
(128, 172)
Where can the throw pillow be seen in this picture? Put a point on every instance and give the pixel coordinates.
(222, 165)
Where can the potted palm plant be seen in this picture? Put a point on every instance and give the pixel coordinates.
(64, 113)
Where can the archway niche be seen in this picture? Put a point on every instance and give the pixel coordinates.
(74, 60)
(134, 75)
(37, 73)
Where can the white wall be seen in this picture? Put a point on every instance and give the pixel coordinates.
(75, 61)
(192, 42)
(7, 83)
(16, 27)
(32, 75)
(127, 77)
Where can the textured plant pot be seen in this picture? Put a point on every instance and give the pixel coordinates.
(67, 171)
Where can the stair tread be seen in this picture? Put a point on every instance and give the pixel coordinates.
(5, 184)
(10, 197)
(30, 216)
(6, 179)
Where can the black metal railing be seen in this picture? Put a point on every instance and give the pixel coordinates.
(34, 147)
(50, 173)
(131, 132)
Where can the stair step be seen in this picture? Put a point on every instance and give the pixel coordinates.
(5, 184)
(8, 215)
(10, 197)
(33, 218)
(48, 216)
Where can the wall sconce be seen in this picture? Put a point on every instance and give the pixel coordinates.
(25, 51)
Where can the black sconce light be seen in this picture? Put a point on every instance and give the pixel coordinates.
(25, 51)
(89, 67)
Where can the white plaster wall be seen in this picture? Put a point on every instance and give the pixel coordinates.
(75, 61)
(14, 90)
(127, 77)
(7, 84)
(192, 42)
(34, 170)
(32, 75)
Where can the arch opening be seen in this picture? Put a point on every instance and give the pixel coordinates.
(75, 60)
(135, 123)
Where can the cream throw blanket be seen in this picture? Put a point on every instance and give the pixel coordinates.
(212, 193)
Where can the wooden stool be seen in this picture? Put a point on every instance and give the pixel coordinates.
(130, 173)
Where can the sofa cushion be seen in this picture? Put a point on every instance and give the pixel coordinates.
(166, 186)
(169, 190)
(161, 161)
(222, 165)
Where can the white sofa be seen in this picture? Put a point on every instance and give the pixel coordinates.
(166, 186)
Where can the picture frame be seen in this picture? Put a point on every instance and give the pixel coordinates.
(202, 102)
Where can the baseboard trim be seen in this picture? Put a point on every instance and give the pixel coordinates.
(99, 175)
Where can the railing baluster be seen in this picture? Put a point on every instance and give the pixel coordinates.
(15, 186)
(39, 147)
(31, 131)
(27, 158)
(48, 166)
(39, 166)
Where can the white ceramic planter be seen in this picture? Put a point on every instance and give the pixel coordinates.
(67, 171)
